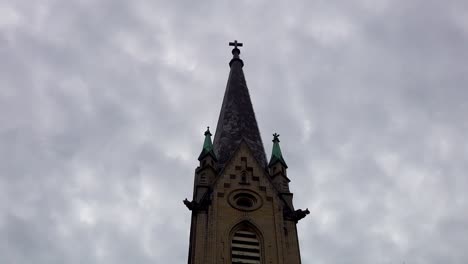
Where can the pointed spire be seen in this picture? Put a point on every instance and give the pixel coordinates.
(276, 155)
(237, 121)
(207, 146)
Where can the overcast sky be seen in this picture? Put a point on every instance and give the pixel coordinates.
(103, 105)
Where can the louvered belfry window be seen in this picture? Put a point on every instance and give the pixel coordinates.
(245, 247)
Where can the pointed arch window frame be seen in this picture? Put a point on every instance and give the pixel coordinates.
(247, 225)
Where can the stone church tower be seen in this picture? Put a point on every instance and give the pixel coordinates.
(242, 209)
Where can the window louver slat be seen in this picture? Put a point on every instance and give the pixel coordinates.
(245, 248)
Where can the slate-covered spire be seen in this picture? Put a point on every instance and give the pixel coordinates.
(276, 155)
(237, 121)
(207, 146)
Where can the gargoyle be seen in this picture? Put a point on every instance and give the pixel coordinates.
(299, 214)
(190, 205)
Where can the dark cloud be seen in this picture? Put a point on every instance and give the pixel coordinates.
(103, 106)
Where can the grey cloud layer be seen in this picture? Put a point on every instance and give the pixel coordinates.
(103, 105)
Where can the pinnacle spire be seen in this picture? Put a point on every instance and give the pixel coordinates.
(207, 146)
(276, 155)
(237, 120)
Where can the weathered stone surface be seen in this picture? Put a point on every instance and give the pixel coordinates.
(237, 120)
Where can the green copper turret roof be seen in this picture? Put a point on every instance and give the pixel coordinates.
(207, 146)
(276, 155)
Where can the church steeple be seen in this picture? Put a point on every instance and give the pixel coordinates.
(237, 120)
(242, 208)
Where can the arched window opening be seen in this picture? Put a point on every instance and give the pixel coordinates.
(245, 246)
(203, 179)
(285, 185)
(243, 178)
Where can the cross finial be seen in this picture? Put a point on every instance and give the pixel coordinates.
(207, 132)
(236, 52)
(236, 44)
(276, 137)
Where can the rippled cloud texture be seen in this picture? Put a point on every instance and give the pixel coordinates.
(103, 105)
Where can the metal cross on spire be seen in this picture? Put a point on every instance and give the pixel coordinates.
(235, 50)
(236, 44)
(276, 137)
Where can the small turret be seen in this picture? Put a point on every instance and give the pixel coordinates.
(205, 173)
(207, 147)
(276, 155)
(278, 171)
